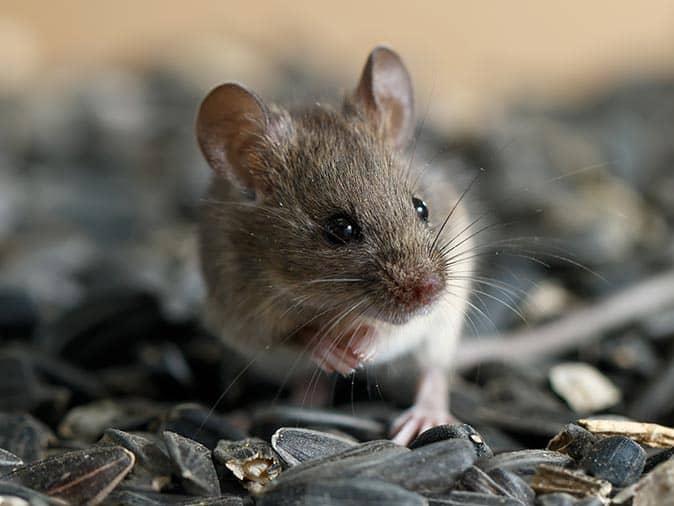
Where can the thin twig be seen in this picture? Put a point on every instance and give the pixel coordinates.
(582, 326)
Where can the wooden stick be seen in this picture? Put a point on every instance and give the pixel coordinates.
(582, 326)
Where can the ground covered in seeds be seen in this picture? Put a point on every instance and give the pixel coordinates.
(112, 393)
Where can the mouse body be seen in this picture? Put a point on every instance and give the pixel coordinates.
(323, 244)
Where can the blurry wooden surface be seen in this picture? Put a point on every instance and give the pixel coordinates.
(464, 55)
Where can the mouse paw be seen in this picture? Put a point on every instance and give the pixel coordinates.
(351, 351)
(416, 420)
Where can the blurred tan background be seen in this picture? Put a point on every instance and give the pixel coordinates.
(466, 57)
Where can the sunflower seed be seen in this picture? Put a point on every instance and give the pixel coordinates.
(193, 464)
(616, 459)
(437, 466)
(12, 494)
(341, 492)
(458, 431)
(24, 436)
(572, 440)
(78, 477)
(524, 462)
(8, 462)
(345, 464)
(514, 486)
(463, 498)
(476, 480)
(135, 498)
(148, 453)
(296, 445)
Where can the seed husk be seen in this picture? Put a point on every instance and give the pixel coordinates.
(583, 387)
(648, 434)
(253, 461)
(654, 489)
(551, 479)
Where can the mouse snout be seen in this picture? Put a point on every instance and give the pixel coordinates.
(426, 289)
(416, 289)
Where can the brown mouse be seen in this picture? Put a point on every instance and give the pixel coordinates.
(322, 243)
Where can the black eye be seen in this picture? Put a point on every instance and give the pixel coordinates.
(420, 208)
(340, 229)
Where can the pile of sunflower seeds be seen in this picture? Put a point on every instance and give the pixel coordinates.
(112, 393)
(593, 462)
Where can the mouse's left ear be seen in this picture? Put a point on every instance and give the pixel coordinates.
(385, 95)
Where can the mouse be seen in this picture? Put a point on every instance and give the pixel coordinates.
(323, 244)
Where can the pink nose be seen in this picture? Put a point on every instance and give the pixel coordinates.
(425, 290)
(419, 292)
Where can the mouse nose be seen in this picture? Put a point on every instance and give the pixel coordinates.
(424, 291)
(418, 291)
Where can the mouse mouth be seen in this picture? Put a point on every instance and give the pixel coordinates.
(399, 315)
(324, 331)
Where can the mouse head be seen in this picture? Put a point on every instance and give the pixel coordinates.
(327, 210)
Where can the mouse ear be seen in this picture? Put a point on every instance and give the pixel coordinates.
(385, 94)
(231, 125)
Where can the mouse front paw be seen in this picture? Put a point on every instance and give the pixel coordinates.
(416, 420)
(344, 354)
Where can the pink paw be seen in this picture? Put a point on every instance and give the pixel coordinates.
(416, 420)
(352, 350)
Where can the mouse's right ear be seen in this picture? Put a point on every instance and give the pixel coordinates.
(231, 124)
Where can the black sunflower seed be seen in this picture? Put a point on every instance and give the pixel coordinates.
(341, 492)
(296, 445)
(193, 465)
(616, 459)
(78, 477)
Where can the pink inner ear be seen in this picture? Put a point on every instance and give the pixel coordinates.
(230, 124)
(385, 92)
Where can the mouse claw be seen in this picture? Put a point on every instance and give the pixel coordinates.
(363, 343)
(416, 420)
(336, 360)
(351, 352)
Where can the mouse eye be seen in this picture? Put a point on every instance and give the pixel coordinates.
(421, 208)
(340, 229)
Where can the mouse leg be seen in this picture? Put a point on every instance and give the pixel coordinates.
(345, 353)
(430, 408)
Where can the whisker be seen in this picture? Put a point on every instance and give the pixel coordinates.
(454, 207)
